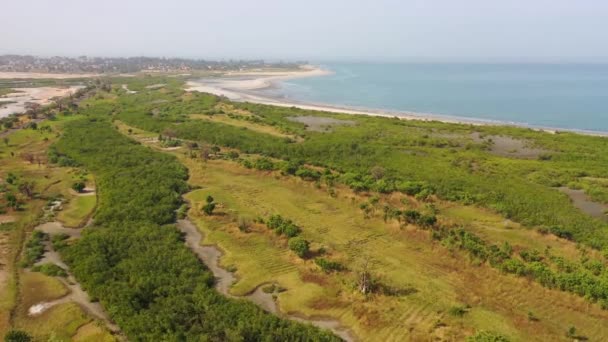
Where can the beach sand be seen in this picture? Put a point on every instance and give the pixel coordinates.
(41, 95)
(246, 86)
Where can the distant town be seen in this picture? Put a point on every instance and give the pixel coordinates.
(85, 64)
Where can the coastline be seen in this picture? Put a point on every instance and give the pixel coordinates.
(249, 87)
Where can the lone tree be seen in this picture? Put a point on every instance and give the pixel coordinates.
(78, 186)
(300, 246)
(27, 188)
(209, 206)
(365, 280)
(28, 157)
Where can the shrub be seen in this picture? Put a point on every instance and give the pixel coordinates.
(244, 223)
(308, 174)
(328, 266)
(264, 164)
(561, 232)
(209, 206)
(17, 336)
(487, 336)
(411, 216)
(51, 270)
(299, 246)
(78, 186)
(282, 226)
(59, 241)
(34, 248)
(458, 310)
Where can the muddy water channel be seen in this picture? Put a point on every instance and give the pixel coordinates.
(76, 293)
(210, 256)
(585, 204)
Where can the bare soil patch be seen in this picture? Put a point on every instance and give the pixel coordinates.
(506, 146)
(319, 123)
(40, 95)
(7, 219)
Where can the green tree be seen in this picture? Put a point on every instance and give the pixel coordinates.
(11, 200)
(209, 206)
(300, 246)
(78, 186)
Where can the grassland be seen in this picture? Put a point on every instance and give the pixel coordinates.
(23, 157)
(76, 212)
(436, 277)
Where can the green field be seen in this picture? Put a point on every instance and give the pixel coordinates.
(77, 211)
(406, 258)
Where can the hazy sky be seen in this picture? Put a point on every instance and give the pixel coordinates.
(309, 29)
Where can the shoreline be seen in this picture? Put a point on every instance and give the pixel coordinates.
(250, 86)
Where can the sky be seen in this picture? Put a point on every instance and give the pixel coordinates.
(476, 30)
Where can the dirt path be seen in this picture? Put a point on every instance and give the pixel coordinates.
(57, 228)
(76, 294)
(210, 255)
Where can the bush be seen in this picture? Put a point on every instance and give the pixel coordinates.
(51, 270)
(78, 186)
(308, 174)
(458, 310)
(244, 223)
(34, 248)
(17, 336)
(329, 266)
(487, 336)
(299, 246)
(282, 226)
(561, 232)
(59, 241)
(264, 164)
(411, 216)
(209, 206)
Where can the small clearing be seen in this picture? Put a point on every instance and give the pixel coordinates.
(320, 123)
(506, 146)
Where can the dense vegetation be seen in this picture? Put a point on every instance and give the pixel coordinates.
(138, 267)
(426, 160)
(443, 159)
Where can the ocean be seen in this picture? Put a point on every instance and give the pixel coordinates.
(562, 96)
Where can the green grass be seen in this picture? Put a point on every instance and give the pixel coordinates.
(60, 321)
(406, 258)
(77, 211)
(92, 332)
(37, 287)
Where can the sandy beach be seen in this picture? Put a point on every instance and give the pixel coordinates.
(246, 87)
(249, 87)
(16, 102)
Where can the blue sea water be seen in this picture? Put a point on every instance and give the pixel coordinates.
(567, 96)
